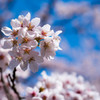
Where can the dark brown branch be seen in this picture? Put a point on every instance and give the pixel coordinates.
(9, 96)
(13, 86)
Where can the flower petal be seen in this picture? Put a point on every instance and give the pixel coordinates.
(35, 21)
(14, 63)
(33, 43)
(6, 30)
(24, 65)
(46, 27)
(29, 90)
(25, 22)
(33, 66)
(20, 18)
(39, 59)
(6, 43)
(15, 23)
(58, 32)
(36, 98)
(28, 16)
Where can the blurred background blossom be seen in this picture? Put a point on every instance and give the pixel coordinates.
(80, 22)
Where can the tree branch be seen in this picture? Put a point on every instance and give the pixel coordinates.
(9, 96)
(13, 86)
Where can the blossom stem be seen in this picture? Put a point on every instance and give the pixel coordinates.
(9, 96)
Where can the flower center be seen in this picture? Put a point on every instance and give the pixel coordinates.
(26, 51)
(44, 97)
(41, 89)
(14, 33)
(31, 59)
(44, 33)
(54, 98)
(21, 23)
(14, 42)
(46, 45)
(33, 94)
(19, 58)
(25, 40)
(1, 57)
(38, 39)
(30, 27)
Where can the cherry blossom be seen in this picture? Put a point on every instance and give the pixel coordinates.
(24, 37)
(70, 87)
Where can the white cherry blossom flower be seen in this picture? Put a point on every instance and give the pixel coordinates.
(21, 22)
(34, 60)
(16, 58)
(27, 40)
(48, 48)
(44, 31)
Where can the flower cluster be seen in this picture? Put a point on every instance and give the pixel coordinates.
(27, 36)
(62, 87)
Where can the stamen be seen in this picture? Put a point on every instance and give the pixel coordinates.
(14, 33)
(30, 27)
(25, 40)
(19, 58)
(46, 45)
(38, 39)
(14, 43)
(31, 59)
(41, 89)
(26, 51)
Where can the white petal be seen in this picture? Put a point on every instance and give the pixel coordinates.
(31, 33)
(33, 66)
(35, 21)
(33, 43)
(24, 65)
(7, 44)
(14, 63)
(34, 53)
(6, 30)
(36, 98)
(50, 33)
(59, 48)
(25, 22)
(46, 27)
(29, 90)
(28, 16)
(58, 32)
(22, 32)
(15, 24)
(20, 18)
(39, 59)
(14, 52)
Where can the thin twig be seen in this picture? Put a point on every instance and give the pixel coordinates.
(13, 86)
(9, 96)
